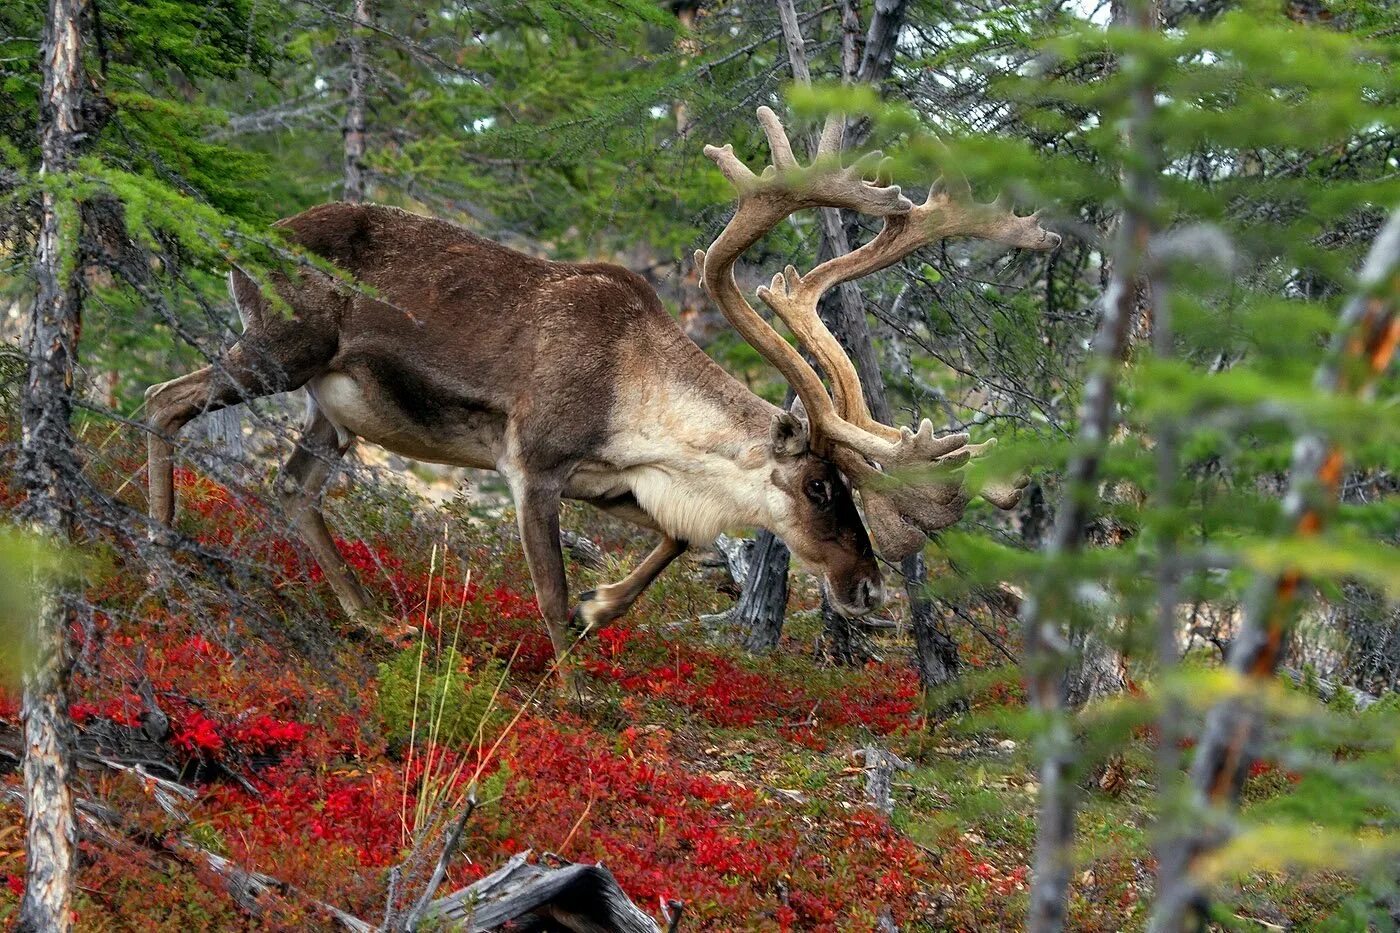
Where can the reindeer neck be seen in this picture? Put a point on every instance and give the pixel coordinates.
(693, 448)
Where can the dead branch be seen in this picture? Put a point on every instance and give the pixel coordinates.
(100, 823)
(449, 846)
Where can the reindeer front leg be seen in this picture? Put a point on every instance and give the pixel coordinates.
(537, 507)
(610, 601)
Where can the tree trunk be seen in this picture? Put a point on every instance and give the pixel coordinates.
(842, 643)
(354, 129)
(224, 428)
(881, 41)
(843, 309)
(763, 602)
(46, 467)
(686, 13)
(936, 655)
(1036, 519)
(1049, 651)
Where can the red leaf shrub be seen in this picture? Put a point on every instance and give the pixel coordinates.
(330, 811)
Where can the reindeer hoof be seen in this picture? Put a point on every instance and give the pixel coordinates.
(577, 621)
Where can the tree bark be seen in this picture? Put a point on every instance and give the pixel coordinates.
(843, 309)
(936, 656)
(224, 428)
(881, 41)
(47, 466)
(763, 603)
(354, 128)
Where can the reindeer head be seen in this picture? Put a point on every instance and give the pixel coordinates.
(909, 481)
(814, 512)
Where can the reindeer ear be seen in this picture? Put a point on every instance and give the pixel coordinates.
(788, 435)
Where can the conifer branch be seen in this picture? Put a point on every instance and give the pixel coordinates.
(1362, 350)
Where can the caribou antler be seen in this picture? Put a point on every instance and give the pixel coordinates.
(900, 514)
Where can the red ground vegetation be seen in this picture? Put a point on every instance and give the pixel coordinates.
(295, 779)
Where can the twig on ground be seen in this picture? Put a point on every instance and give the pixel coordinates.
(449, 846)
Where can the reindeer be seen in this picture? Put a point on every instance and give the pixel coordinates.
(572, 381)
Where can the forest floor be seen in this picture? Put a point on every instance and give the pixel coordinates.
(320, 754)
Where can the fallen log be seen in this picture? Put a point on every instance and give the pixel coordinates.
(530, 896)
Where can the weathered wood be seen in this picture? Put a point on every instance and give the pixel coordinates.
(449, 847)
(583, 551)
(47, 463)
(580, 898)
(763, 603)
(880, 766)
(736, 555)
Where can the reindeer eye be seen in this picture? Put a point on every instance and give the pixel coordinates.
(819, 491)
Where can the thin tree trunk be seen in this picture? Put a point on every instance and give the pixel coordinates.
(936, 655)
(843, 309)
(686, 12)
(881, 41)
(224, 429)
(46, 466)
(1167, 435)
(1362, 350)
(354, 129)
(763, 602)
(1046, 652)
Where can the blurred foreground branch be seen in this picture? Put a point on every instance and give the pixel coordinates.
(1361, 351)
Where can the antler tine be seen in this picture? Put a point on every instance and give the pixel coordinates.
(732, 166)
(778, 143)
(949, 210)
